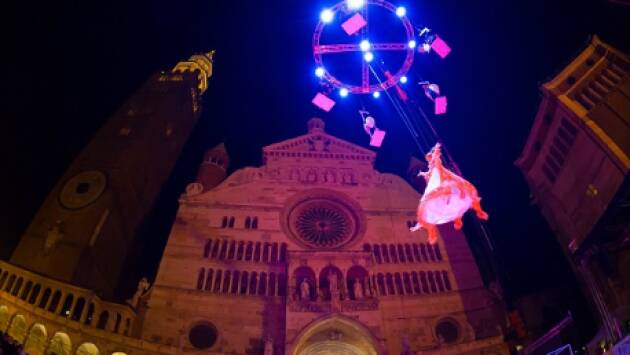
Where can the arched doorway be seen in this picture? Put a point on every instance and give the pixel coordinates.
(35, 343)
(60, 344)
(335, 334)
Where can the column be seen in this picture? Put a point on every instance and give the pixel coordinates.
(75, 299)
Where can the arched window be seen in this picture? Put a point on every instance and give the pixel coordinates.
(248, 222)
(45, 298)
(239, 253)
(439, 281)
(262, 288)
(283, 252)
(209, 279)
(249, 251)
(401, 253)
(102, 320)
(231, 224)
(255, 223)
(393, 254)
(226, 282)
(407, 283)
(390, 284)
(231, 250)
(447, 282)
(217, 281)
(438, 254)
(399, 286)
(253, 281)
(90, 314)
(408, 253)
(380, 280)
(377, 254)
(224, 222)
(223, 252)
(272, 284)
(34, 294)
(78, 309)
(216, 246)
(274, 253)
(200, 278)
(257, 252)
(385, 252)
(235, 278)
(65, 309)
(26, 290)
(10, 283)
(265, 256)
(416, 283)
(423, 280)
(55, 301)
(244, 283)
(127, 326)
(416, 253)
(117, 324)
(17, 286)
(206, 248)
(423, 251)
(3, 278)
(432, 281)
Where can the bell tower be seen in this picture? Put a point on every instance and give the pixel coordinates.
(86, 226)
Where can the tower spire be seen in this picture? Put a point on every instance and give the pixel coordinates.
(200, 63)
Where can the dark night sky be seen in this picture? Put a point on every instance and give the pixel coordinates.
(72, 64)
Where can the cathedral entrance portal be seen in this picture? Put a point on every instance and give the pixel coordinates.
(335, 335)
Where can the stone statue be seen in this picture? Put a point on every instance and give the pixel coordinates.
(53, 236)
(358, 290)
(268, 347)
(143, 286)
(332, 284)
(305, 290)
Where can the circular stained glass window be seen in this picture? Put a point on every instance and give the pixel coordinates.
(203, 336)
(322, 221)
(447, 331)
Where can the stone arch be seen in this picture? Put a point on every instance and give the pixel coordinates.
(305, 273)
(60, 344)
(18, 328)
(4, 318)
(357, 273)
(35, 342)
(87, 349)
(324, 282)
(354, 337)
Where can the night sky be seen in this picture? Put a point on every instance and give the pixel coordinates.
(72, 64)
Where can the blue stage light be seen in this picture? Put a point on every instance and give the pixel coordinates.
(376, 94)
(343, 92)
(326, 16)
(319, 72)
(365, 45)
(368, 56)
(403, 79)
(412, 43)
(401, 11)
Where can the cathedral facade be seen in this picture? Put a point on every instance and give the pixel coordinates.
(309, 253)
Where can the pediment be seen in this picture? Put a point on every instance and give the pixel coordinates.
(318, 145)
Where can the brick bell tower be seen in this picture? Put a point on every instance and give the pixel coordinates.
(86, 226)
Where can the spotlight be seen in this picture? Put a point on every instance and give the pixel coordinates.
(343, 92)
(364, 45)
(355, 4)
(368, 56)
(319, 72)
(403, 79)
(426, 46)
(326, 15)
(401, 11)
(412, 43)
(376, 94)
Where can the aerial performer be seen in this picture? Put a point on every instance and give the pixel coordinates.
(446, 198)
(369, 126)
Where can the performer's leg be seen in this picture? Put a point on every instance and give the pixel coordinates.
(458, 224)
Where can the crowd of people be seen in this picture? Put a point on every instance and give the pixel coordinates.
(9, 346)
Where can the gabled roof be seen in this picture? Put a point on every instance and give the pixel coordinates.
(318, 144)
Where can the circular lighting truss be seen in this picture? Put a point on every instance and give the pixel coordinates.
(343, 8)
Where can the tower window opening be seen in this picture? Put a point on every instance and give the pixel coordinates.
(82, 187)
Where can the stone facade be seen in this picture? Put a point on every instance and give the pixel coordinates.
(312, 252)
